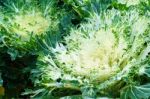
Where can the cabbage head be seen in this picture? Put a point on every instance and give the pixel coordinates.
(21, 22)
(108, 56)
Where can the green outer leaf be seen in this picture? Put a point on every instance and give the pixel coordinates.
(136, 92)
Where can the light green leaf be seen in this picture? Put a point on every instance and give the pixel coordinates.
(13, 53)
(145, 70)
(72, 97)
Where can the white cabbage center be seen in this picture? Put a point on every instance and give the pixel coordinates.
(97, 56)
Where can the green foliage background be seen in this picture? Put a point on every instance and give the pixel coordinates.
(25, 74)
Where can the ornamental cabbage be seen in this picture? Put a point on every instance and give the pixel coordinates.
(21, 22)
(107, 54)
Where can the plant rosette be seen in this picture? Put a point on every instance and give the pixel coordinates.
(22, 24)
(109, 54)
